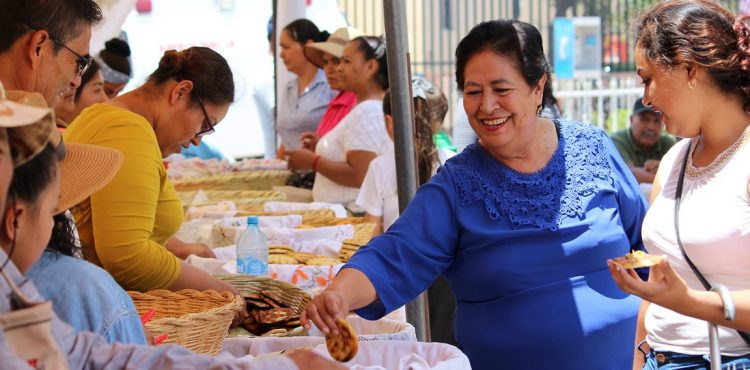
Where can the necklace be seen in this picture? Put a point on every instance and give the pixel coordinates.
(693, 172)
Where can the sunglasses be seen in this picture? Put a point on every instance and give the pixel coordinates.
(83, 62)
(208, 127)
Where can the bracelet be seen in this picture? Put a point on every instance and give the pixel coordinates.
(726, 301)
(315, 163)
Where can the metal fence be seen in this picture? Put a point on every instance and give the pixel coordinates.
(436, 27)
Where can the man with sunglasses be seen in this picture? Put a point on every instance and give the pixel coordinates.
(44, 44)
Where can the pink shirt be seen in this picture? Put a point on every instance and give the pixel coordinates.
(338, 108)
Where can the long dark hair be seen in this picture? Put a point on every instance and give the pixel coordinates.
(29, 180)
(700, 32)
(63, 238)
(32, 177)
(428, 113)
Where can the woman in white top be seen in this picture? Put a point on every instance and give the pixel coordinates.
(378, 195)
(342, 156)
(694, 59)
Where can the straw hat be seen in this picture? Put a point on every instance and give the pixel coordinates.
(84, 168)
(334, 45)
(30, 126)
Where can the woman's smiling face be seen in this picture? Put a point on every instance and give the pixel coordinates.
(498, 101)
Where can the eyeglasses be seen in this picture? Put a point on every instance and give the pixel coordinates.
(207, 128)
(83, 62)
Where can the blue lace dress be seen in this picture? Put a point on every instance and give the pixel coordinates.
(525, 255)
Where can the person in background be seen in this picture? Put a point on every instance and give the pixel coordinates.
(521, 223)
(128, 226)
(327, 56)
(24, 133)
(643, 144)
(693, 58)
(378, 195)
(342, 156)
(94, 302)
(263, 96)
(115, 65)
(307, 95)
(90, 92)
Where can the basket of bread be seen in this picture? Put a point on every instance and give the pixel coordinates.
(274, 307)
(198, 321)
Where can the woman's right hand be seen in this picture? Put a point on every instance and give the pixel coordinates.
(324, 310)
(309, 140)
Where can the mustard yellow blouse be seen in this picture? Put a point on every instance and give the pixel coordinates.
(124, 226)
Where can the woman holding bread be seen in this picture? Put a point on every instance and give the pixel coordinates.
(520, 223)
(694, 59)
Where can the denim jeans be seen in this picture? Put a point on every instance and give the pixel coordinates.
(679, 361)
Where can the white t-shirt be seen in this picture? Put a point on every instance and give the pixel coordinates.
(362, 129)
(378, 195)
(715, 232)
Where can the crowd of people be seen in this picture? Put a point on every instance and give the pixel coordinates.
(514, 236)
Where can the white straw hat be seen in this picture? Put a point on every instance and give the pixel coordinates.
(333, 46)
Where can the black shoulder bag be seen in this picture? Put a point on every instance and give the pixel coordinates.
(678, 195)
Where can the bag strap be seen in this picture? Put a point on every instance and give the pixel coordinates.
(678, 196)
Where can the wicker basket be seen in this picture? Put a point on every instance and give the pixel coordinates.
(219, 195)
(252, 180)
(292, 296)
(198, 321)
(332, 220)
(306, 213)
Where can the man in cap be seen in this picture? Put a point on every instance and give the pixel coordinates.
(643, 144)
(44, 44)
(24, 132)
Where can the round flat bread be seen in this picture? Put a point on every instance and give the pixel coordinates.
(342, 347)
(637, 259)
(322, 261)
(281, 259)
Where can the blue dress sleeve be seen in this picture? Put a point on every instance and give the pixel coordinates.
(632, 203)
(417, 248)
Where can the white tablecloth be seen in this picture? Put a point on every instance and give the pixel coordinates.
(374, 355)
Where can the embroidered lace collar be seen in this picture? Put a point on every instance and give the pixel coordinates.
(543, 198)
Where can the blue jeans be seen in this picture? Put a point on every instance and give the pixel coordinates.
(678, 361)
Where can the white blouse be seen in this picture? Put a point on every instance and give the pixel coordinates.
(715, 232)
(378, 195)
(362, 129)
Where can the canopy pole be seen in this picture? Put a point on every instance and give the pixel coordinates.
(399, 78)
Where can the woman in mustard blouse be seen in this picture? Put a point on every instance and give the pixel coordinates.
(128, 226)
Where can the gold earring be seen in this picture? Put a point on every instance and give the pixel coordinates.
(692, 84)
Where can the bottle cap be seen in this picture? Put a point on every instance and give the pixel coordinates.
(252, 220)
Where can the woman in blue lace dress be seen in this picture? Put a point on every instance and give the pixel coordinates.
(521, 223)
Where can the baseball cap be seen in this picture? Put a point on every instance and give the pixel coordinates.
(29, 125)
(638, 107)
(334, 45)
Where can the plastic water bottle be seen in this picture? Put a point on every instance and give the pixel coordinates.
(252, 250)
